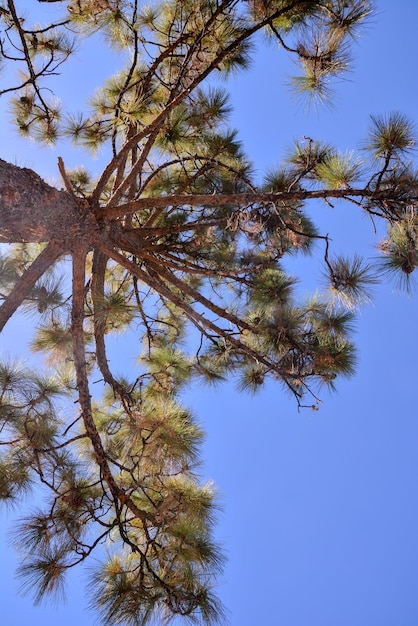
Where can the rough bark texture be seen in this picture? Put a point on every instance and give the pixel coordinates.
(33, 211)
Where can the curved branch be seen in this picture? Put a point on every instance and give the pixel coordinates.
(33, 75)
(119, 495)
(97, 295)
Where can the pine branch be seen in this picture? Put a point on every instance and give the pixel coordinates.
(248, 199)
(120, 497)
(27, 281)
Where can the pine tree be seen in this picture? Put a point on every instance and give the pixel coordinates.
(173, 241)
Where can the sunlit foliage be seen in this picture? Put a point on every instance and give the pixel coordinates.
(177, 244)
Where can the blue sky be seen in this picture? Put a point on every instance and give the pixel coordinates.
(320, 510)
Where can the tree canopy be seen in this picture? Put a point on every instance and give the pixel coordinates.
(176, 242)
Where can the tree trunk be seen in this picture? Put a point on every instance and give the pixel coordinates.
(33, 211)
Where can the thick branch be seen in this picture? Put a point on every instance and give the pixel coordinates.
(24, 285)
(79, 258)
(238, 199)
(97, 295)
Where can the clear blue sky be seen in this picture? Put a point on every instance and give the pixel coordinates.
(320, 519)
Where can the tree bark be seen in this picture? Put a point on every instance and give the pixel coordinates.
(33, 211)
